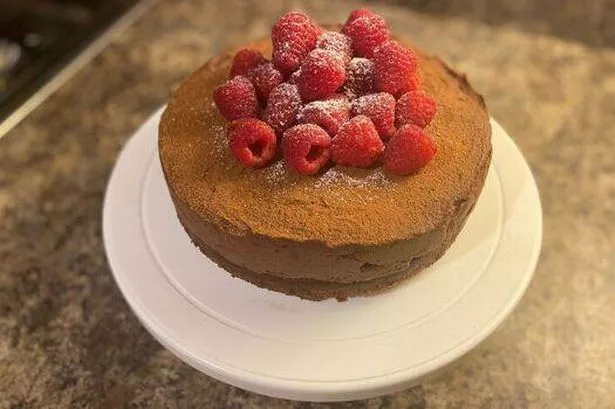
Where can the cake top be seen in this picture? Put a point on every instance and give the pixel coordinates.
(352, 98)
(339, 205)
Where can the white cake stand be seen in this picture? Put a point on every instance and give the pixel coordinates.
(286, 347)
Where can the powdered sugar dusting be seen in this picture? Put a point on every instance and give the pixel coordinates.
(282, 106)
(326, 106)
(336, 42)
(275, 172)
(366, 103)
(322, 58)
(220, 139)
(380, 108)
(287, 91)
(294, 77)
(322, 73)
(371, 21)
(359, 77)
(329, 113)
(286, 57)
(265, 78)
(336, 176)
(361, 66)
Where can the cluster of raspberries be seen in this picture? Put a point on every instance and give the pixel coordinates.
(352, 97)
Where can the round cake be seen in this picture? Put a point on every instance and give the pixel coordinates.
(340, 233)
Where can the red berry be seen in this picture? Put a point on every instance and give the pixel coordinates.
(329, 113)
(236, 98)
(409, 150)
(416, 108)
(252, 141)
(359, 78)
(265, 77)
(322, 73)
(282, 106)
(294, 77)
(293, 36)
(355, 14)
(380, 108)
(338, 43)
(357, 143)
(306, 148)
(414, 83)
(395, 68)
(367, 32)
(245, 60)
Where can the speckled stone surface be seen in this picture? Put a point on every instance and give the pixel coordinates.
(68, 339)
(589, 21)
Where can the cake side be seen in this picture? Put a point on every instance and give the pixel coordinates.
(278, 265)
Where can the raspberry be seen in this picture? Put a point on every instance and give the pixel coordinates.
(367, 32)
(413, 84)
(265, 78)
(409, 150)
(294, 77)
(416, 108)
(294, 35)
(355, 14)
(329, 113)
(380, 108)
(395, 68)
(306, 148)
(357, 143)
(338, 43)
(245, 60)
(282, 106)
(236, 98)
(322, 73)
(252, 141)
(359, 77)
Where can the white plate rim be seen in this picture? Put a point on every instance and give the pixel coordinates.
(313, 390)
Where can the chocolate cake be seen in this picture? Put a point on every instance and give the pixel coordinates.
(340, 233)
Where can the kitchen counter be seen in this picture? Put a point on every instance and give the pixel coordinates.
(69, 340)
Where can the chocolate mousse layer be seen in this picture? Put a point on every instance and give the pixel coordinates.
(343, 233)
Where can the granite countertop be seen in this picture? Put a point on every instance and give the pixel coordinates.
(69, 340)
